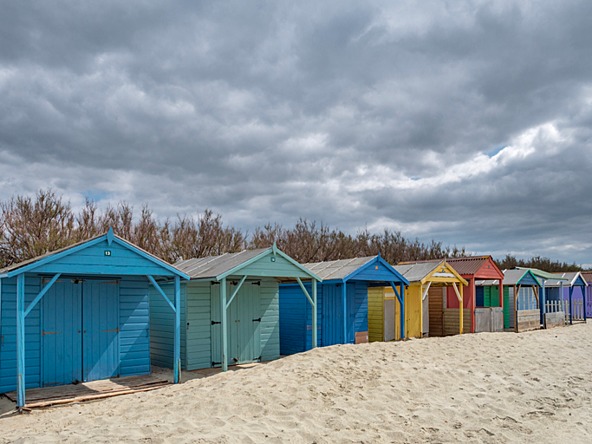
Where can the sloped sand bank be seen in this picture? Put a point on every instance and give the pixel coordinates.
(498, 387)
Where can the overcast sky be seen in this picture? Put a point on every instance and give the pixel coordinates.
(467, 122)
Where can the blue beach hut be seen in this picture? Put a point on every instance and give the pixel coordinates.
(568, 296)
(342, 303)
(80, 314)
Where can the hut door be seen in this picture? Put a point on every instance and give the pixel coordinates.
(80, 332)
(247, 334)
(389, 319)
(100, 337)
(244, 319)
(216, 346)
(61, 334)
(332, 318)
(436, 311)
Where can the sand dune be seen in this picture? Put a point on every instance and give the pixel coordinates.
(489, 387)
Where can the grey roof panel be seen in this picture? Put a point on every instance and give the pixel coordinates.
(571, 276)
(338, 269)
(417, 271)
(512, 277)
(486, 282)
(212, 266)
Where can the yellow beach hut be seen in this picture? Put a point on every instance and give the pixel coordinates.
(426, 313)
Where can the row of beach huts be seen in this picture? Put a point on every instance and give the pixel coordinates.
(105, 308)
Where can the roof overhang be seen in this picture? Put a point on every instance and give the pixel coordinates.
(32, 265)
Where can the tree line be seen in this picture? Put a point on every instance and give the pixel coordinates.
(33, 226)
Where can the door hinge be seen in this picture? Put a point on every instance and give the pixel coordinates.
(214, 283)
(44, 333)
(216, 322)
(214, 363)
(113, 330)
(257, 320)
(256, 283)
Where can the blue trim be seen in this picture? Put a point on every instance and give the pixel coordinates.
(398, 277)
(54, 257)
(153, 259)
(110, 236)
(580, 282)
(177, 344)
(533, 276)
(20, 341)
(401, 299)
(160, 290)
(106, 237)
(42, 293)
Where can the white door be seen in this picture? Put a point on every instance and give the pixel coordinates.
(389, 319)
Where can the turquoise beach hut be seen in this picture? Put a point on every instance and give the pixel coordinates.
(81, 314)
(230, 309)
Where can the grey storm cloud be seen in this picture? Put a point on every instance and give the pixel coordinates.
(466, 122)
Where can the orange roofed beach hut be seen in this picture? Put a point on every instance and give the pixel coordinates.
(484, 303)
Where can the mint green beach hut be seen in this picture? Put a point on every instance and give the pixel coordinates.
(229, 309)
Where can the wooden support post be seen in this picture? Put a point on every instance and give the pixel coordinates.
(473, 303)
(236, 290)
(344, 302)
(177, 344)
(41, 294)
(314, 313)
(401, 298)
(459, 296)
(570, 305)
(542, 305)
(223, 326)
(20, 340)
(402, 314)
(424, 291)
(583, 301)
(462, 303)
(516, 293)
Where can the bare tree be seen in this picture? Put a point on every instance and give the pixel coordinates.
(34, 226)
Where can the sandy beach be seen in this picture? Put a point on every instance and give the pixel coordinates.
(488, 387)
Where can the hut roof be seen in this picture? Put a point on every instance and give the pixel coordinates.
(543, 274)
(110, 237)
(212, 266)
(515, 276)
(571, 278)
(369, 268)
(418, 271)
(469, 265)
(227, 264)
(338, 269)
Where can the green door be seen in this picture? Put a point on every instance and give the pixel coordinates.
(508, 308)
(243, 325)
(248, 324)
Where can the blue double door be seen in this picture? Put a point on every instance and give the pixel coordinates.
(80, 332)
